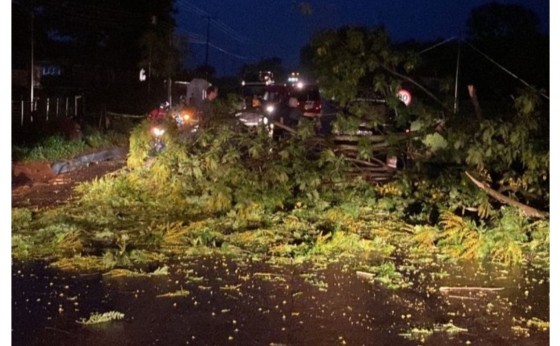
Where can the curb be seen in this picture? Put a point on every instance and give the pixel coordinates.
(65, 166)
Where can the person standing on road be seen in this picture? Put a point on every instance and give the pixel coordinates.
(196, 91)
(289, 115)
(207, 106)
(293, 114)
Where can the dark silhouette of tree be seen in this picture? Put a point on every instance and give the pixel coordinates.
(509, 35)
(496, 21)
(101, 44)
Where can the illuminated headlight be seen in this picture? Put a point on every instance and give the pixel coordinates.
(299, 85)
(270, 108)
(264, 120)
(158, 131)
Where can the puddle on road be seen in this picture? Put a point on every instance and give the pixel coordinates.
(214, 301)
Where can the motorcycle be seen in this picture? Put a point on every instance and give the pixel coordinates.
(253, 118)
(187, 121)
(181, 123)
(157, 131)
(159, 113)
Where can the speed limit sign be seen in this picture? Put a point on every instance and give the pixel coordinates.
(405, 96)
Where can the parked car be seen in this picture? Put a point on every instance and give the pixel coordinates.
(276, 96)
(308, 97)
(252, 92)
(360, 117)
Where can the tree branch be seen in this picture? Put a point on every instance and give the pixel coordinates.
(527, 210)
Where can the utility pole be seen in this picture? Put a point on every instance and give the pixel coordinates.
(456, 105)
(32, 105)
(208, 18)
(169, 81)
(151, 43)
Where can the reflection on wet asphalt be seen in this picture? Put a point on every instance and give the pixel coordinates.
(214, 301)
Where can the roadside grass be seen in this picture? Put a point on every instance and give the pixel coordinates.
(56, 147)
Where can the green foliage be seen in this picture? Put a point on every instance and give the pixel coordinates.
(503, 239)
(224, 107)
(56, 147)
(434, 142)
(140, 144)
(387, 275)
(426, 236)
(22, 246)
(235, 191)
(538, 247)
(512, 152)
(509, 148)
(97, 140)
(50, 149)
(461, 237)
(95, 318)
(21, 219)
(343, 57)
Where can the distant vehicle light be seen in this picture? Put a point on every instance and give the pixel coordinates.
(299, 85)
(270, 108)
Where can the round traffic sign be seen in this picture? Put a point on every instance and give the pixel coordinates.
(405, 96)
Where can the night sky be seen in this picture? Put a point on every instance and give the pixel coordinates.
(245, 31)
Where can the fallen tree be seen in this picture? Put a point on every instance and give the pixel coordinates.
(527, 210)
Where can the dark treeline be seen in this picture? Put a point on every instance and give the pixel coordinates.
(100, 47)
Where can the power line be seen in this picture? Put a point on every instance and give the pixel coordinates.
(508, 71)
(219, 48)
(194, 8)
(220, 25)
(489, 59)
(437, 45)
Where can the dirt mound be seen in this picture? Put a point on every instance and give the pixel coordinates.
(35, 184)
(31, 173)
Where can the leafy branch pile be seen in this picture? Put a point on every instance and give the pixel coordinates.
(237, 192)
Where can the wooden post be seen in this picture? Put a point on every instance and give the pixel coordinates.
(48, 104)
(66, 112)
(22, 111)
(76, 98)
(57, 108)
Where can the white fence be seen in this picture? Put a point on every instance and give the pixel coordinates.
(45, 109)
